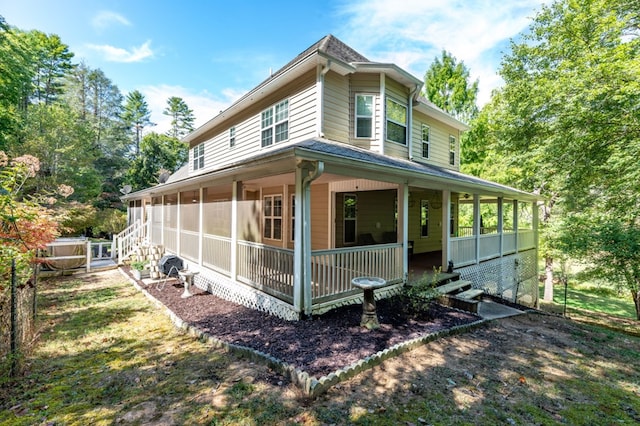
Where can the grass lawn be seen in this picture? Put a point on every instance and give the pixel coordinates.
(107, 355)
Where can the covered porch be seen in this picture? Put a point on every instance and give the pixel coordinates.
(290, 233)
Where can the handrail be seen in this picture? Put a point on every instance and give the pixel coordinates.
(128, 238)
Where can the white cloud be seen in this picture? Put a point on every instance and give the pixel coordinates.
(204, 105)
(413, 35)
(118, 54)
(105, 19)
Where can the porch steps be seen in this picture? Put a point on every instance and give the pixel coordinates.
(470, 294)
(460, 295)
(453, 287)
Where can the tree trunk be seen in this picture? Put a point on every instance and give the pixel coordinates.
(636, 302)
(548, 279)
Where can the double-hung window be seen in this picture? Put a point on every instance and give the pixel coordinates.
(452, 150)
(275, 124)
(232, 137)
(198, 156)
(272, 213)
(396, 114)
(364, 116)
(426, 135)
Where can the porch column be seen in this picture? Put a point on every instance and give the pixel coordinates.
(403, 227)
(515, 224)
(235, 185)
(500, 226)
(306, 172)
(200, 226)
(535, 212)
(178, 223)
(162, 207)
(476, 225)
(446, 230)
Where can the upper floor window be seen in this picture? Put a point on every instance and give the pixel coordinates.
(364, 116)
(198, 156)
(275, 123)
(232, 137)
(426, 135)
(452, 150)
(396, 121)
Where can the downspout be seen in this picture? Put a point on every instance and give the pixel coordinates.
(320, 98)
(306, 173)
(410, 122)
(383, 108)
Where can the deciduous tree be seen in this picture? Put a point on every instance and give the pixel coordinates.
(448, 85)
(566, 122)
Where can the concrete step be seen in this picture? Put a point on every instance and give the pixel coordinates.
(470, 294)
(453, 286)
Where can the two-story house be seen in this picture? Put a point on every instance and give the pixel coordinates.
(335, 167)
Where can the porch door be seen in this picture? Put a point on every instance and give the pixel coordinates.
(350, 218)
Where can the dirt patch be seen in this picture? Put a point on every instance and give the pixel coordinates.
(318, 346)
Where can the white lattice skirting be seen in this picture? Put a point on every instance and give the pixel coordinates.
(224, 288)
(513, 278)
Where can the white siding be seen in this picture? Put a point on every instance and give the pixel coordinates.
(439, 143)
(368, 84)
(336, 120)
(302, 125)
(398, 93)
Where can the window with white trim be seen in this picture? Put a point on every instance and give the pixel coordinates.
(232, 137)
(396, 114)
(426, 136)
(272, 213)
(275, 124)
(424, 218)
(198, 156)
(364, 116)
(452, 150)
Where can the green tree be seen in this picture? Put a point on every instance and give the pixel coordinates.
(448, 85)
(136, 116)
(157, 153)
(566, 122)
(98, 102)
(16, 76)
(182, 117)
(52, 61)
(62, 142)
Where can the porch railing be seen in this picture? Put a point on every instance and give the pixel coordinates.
(129, 238)
(333, 270)
(463, 249)
(267, 268)
(216, 253)
(189, 244)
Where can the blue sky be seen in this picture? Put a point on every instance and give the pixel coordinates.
(211, 52)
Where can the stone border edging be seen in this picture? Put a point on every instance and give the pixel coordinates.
(310, 385)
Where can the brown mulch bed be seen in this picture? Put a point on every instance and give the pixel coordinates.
(320, 345)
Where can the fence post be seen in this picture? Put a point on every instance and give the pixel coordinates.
(34, 306)
(113, 246)
(14, 320)
(89, 256)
